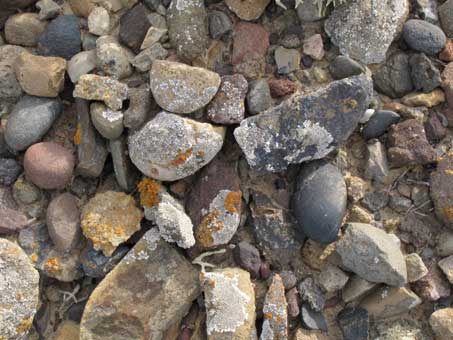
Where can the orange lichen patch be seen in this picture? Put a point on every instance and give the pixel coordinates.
(34, 258)
(149, 192)
(208, 225)
(348, 104)
(268, 316)
(24, 326)
(119, 231)
(182, 157)
(233, 202)
(78, 135)
(52, 264)
(448, 212)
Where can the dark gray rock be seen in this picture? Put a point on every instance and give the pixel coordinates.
(30, 119)
(376, 200)
(96, 264)
(312, 319)
(16, 4)
(311, 293)
(425, 76)
(125, 172)
(379, 122)
(427, 10)
(139, 106)
(354, 323)
(10, 169)
(446, 17)
(299, 129)
(319, 204)
(259, 96)
(61, 38)
(344, 67)
(248, 258)
(219, 24)
(423, 36)
(133, 27)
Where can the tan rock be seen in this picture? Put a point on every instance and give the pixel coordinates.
(446, 265)
(247, 9)
(24, 29)
(416, 269)
(357, 288)
(305, 334)
(360, 215)
(431, 99)
(82, 8)
(40, 76)
(441, 322)
(67, 330)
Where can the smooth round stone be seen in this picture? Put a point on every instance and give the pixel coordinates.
(99, 21)
(48, 165)
(113, 58)
(109, 123)
(344, 67)
(319, 203)
(423, 36)
(30, 119)
(24, 29)
(80, 64)
(379, 122)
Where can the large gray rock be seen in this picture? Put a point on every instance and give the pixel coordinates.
(304, 127)
(372, 254)
(364, 29)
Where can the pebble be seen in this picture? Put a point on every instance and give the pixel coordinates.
(109, 123)
(446, 17)
(96, 264)
(10, 169)
(80, 64)
(259, 96)
(30, 119)
(230, 303)
(81, 8)
(425, 76)
(372, 254)
(423, 36)
(447, 83)
(153, 36)
(434, 285)
(430, 99)
(354, 323)
(227, 106)
(379, 122)
(434, 128)
(10, 89)
(94, 87)
(248, 258)
(247, 9)
(188, 28)
(145, 59)
(125, 171)
(40, 76)
(219, 24)
(320, 185)
(312, 319)
(332, 279)
(287, 60)
(112, 58)
(156, 274)
(292, 297)
(314, 47)
(99, 21)
(427, 10)
(364, 30)
(63, 221)
(11, 220)
(310, 292)
(167, 147)
(308, 11)
(440, 322)
(67, 330)
(446, 264)
(275, 324)
(447, 52)
(109, 219)
(61, 38)
(24, 29)
(343, 67)
(133, 27)
(376, 200)
(260, 136)
(49, 165)
(356, 288)
(444, 245)
(139, 106)
(48, 9)
(289, 279)
(416, 269)
(19, 283)
(281, 87)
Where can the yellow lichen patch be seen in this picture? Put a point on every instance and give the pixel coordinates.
(78, 134)
(34, 258)
(348, 104)
(327, 251)
(149, 192)
(182, 157)
(52, 264)
(449, 172)
(448, 212)
(391, 224)
(24, 326)
(208, 225)
(233, 202)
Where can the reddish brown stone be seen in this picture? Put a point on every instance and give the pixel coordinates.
(435, 131)
(447, 52)
(281, 87)
(249, 38)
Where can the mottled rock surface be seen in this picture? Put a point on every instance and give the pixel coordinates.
(275, 325)
(441, 189)
(441, 323)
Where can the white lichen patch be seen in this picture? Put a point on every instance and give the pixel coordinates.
(112, 116)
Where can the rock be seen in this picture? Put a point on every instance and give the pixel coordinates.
(94, 87)
(423, 36)
(372, 254)
(275, 324)
(446, 17)
(434, 285)
(219, 24)
(248, 258)
(354, 323)
(125, 171)
(356, 288)
(425, 76)
(63, 221)
(15, 4)
(28, 196)
(314, 47)
(61, 38)
(281, 87)
(139, 106)
(99, 21)
(249, 9)
(440, 322)
(258, 97)
(312, 319)
(312, 294)
(112, 58)
(133, 27)
(170, 147)
(343, 67)
(24, 29)
(109, 219)
(447, 83)
(181, 88)
(444, 245)
(379, 122)
(364, 30)
(96, 264)
(40, 76)
(152, 274)
(80, 64)
(109, 123)
(308, 11)
(447, 52)
(48, 9)
(19, 283)
(332, 279)
(287, 60)
(416, 269)
(292, 297)
(67, 330)
(427, 10)
(446, 264)
(441, 190)
(188, 28)
(387, 302)
(145, 59)
(10, 169)
(375, 200)
(376, 168)
(230, 304)
(10, 89)
(227, 106)
(11, 220)
(407, 144)
(431, 99)
(399, 203)
(260, 136)
(435, 130)
(153, 36)
(82, 8)
(394, 77)
(91, 150)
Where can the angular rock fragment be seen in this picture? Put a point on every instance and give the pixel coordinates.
(312, 294)
(145, 59)
(356, 288)
(96, 264)
(446, 265)
(332, 279)
(109, 123)
(354, 323)
(24, 29)
(416, 269)
(247, 10)
(441, 190)
(275, 325)
(312, 319)
(133, 26)
(440, 322)
(125, 172)
(394, 78)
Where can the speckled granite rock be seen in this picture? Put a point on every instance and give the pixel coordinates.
(275, 325)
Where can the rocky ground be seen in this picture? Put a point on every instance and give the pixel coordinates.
(233, 169)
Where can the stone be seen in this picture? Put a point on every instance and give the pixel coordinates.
(312, 294)
(99, 21)
(289, 279)
(430, 99)
(10, 89)
(416, 269)
(125, 172)
(180, 88)
(249, 9)
(287, 60)
(332, 279)
(153, 36)
(292, 297)
(364, 30)
(434, 128)
(394, 77)
(28, 197)
(80, 64)
(377, 167)
(94, 87)
(63, 221)
(61, 38)
(320, 185)
(170, 147)
(360, 215)
(109, 219)
(188, 28)
(40, 76)
(275, 324)
(356, 288)
(376, 200)
(372, 254)
(67, 330)
(10, 169)
(399, 203)
(259, 96)
(219, 24)
(444, 245)
(387, 302)
(109, 123)
(379, 122)
(447, 52)
(96, 264)
(24, 29)
(423, 36)
(434, 285)
(441, 323)
(446, 17)
(296, 124)
(248, 258)
(113, 58)
(230, 304)
(447, 83)
(312, 319)
(15, 4)
(407, 144)
(425, 76)
(91, 150)
(48, 9)
(427, 10)
(308, 11)
(82, 8)
(11, 220)
(314, 47)
(145, 59)
(152, 274)
(139, 106)
(133, 27)
(343, 67)
(19, 283)
(354, 323)
(446, 264)
(281, 87)
(227, 106)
